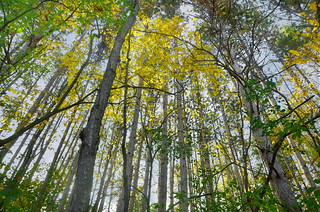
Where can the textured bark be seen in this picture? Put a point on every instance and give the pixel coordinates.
(163, 178)
(172, 165)
(135, 180)
(131, 145)
(90, 134)
(148, 160)
(295, 179)
(183, 161)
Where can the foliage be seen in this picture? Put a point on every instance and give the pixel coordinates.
(52, 61)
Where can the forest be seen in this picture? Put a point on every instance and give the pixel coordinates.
(159, 105)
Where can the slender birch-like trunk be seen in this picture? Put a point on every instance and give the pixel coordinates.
(131, 145)
(163, 175)
(182, 152)
(135, 179)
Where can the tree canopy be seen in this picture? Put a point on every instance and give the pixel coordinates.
(172, 105)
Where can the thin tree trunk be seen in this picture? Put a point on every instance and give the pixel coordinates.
(131, 145)
(163, 175)
(190, 183)
(144, 201)
(172, 171)
(32, 110)
(27, 157)
(45, 144)
(68, 184)
(110, 177)
(51, 169)
(183, 151)
(102, 181)
(135, 179)
(231, 144)
(204, 150)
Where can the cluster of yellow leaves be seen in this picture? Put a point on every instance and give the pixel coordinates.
(303, 65)
(309, 53)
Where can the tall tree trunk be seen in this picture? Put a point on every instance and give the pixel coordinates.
(51, 169)
(172, 171)
(110, 179)
(90, 134)
(27, 157)
(102, 181)
(278, 179)
(231, 144)
(68, 184)
(163, 176)
(183, 151)
(295, 179)
(135, 179)
(148, 160)
(204, 149)
(131, 146)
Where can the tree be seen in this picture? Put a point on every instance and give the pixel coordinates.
(159, 105)
(90, 134)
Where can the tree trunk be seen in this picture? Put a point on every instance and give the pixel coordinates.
(102, 181)
(131, 146)
(172, 171)
(68, 185)
(135, 179)
(51, 169)
(183, 151)
(110, 177)
(163, 176)
(231, 144)
(90, 134)
(298, 155)
(148, 157)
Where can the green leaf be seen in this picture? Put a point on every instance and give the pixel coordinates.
(310, 190)
(273, 208)
(311, 203)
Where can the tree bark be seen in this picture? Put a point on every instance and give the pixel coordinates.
(90, 134)
(163, 178)
(131, 145)
(183, 151)
(135, 179)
